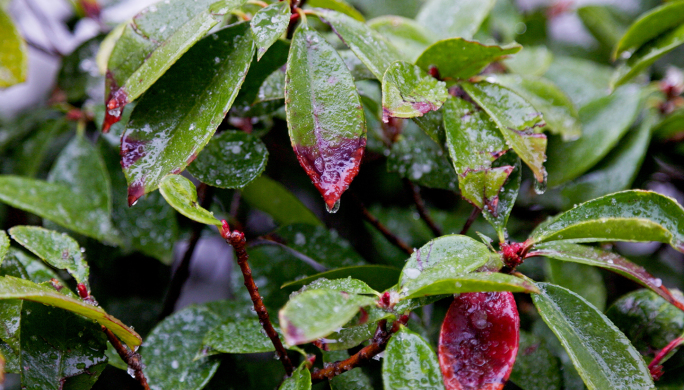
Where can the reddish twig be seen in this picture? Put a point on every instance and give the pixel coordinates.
(132, 359)
(471, 219)
(391, 237)
(655, 367)
(237, 240)
(377, 345)
(422, 211)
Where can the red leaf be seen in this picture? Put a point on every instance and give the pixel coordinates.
(479, 341)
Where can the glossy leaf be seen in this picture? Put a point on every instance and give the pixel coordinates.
(15, 288)
(152, 42)
(273, 87)
(599, 258)
(651, 25)
(317, 313)
(169, 350)
(369, 46)
(323, 245)
(300, 380)
(57, 249)
(408, 92)
(274, 199)
(582, 80)
(379, 277)
(432, 283)
(498, 217)
(478, 341)
(604, 122)
(454, 18)
(4, 245)
(361, 328)
(178, 116)
(230, 160)
(535, 366)
(182, 196)
(13, 53)
(339, 6)
(647, 55)
(410, 363)
(460, 59)
(242, 336)
(405, 34)
(347, 285)
(581, 279)
(602, 354)
(350, 380)
(325, 117)
(516, 119)
(530, 61)
(268, 24)
(358, 70)
(29, 157)
(634, 215)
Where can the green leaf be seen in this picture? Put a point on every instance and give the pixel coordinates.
(350, 380)
(358, 70)
(432, 124)
(273, 88)
(57, 249)
(29, 157)
(300, 379)
(418, 158)
(454, 18)
(535, 367)
(339, 6)
(58, 203)
(323, 245)
(410, 363)
(603, 356)
(671, 126)
(179, 114)
(232, 159)
(647, 55)
(348, 285)
(605, 23)
(604, 122)
(268, 24)
(408, 92)
(15, 288)
(169, 350)
(13, 53)
(182, 196)
(405, 34)
(634, 215)
(379, 277)
(242, 336)
(595, 257)
(274, 199)
(516, 119)
(372, 48)
(78, 77)
(317, 313)
(324, 114)
(460, 59)
(361, 328)
(4, 245)
(581, 279)
(651, 25)
(435, 283)
(153, 41)
(530, 61)
(498, 216)
(582, 80)
(59, 349)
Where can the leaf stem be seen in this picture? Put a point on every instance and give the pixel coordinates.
(420, 205)
(655, 367)
(237, 240)
(260, 3)
(391, 237)
(471, 219)
(132, 359)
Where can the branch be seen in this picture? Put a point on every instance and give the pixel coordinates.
(183, 272)
(396, 241)
(378, 344)
(237, 240)
(471, 219)
(420, 205)
(132, 359)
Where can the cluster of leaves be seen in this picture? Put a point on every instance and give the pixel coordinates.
(443, 98)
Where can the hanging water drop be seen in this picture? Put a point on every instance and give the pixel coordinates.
(540, 187)
(334, 208)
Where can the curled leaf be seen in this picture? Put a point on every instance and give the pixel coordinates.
(408, 92)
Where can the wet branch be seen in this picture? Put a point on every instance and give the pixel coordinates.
(420, 205)
(471, 219)
(391, 237)
(377, 345)
(237, 240)
(204, 195)
(655, 367)
(132, 359)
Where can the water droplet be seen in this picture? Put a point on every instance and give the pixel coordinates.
(335, 207)
(540, 187)
(131, 372)
(174, 364)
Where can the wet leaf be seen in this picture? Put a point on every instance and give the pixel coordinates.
(581, 279)
(433, 283)
(432, 124)
(57, 249)
(603, 356)
(516, 119)
(15, 288)
(348, 285)
(169, 350)
(418, 158)
(634, 215)
(323, 245)
(535, 367)
(369, 46)
(405, 34)
(595, 257)
(58, 347)
(339, 6)
(274, 199)
(498, 217)
(273, 88)
(379, 277)
(651, 25)
(361, 328)
(358, 70)
(478, 341)
(582, 80)
(454, 18)
(79, 77)
(647, 55)
(13, 53)
(242, 336)
(317, 313)
(350, 380)
(179, 114)
(530, 61)
(325, 117)
(604, 122)
(230, 160)
(408, 92)
(182, 196)
(4, 245)
(300, 379)
(152, 42)
(268, 24)
(410, 363)
(29, 157)
(459, 59)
